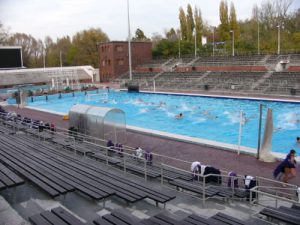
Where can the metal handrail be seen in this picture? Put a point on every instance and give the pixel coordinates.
(65, 134)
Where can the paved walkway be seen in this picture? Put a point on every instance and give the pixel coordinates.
(225, 160)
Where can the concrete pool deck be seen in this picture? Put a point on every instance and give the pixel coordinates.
(188, 151)
(279, 98)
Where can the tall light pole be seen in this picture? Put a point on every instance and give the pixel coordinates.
(279, 26)
(60, 59)
(179, 50)
(232, 31)
(195, 43)
(129, 43)
(44, 57)
(258, 50)
(213, 41)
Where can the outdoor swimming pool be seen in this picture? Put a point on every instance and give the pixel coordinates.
(204, 117)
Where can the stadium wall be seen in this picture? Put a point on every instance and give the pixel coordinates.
(294, 69)
(148, 69)
(222, 68)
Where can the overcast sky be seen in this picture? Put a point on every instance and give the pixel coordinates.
(58, 18)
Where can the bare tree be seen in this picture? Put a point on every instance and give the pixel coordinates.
(282, 7)
(4, 34)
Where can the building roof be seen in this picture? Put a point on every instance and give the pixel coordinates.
(10, 47)
(122, 42)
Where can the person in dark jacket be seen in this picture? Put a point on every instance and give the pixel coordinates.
(287, 168)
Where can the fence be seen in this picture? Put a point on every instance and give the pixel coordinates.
(267, 190)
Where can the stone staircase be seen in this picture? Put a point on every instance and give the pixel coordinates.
(261, 80)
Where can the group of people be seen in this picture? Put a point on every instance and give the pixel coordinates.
(199, 170)
(138, 154)
(141, 154)
(284, 172)
(26, 121)
(115, 148)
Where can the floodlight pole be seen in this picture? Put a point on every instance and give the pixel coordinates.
(44, 58)
(213, 41)
(21, 58)
(179, 50)
(129, 43)
(232, 31)
(258, 47)
(195, 43)
(60, 58)
(278, 46)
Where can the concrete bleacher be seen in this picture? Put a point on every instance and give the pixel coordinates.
(232, 60)
(68, 179)
(218, 79)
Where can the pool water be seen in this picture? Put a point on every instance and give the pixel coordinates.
(203, 117)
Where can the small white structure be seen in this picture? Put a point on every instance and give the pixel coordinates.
(57, 77)
(266, 148)
(100, 122)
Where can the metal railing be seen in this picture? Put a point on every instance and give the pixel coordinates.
(162, 164)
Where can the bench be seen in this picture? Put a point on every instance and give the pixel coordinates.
(102, 157)
(47, 167)
(77, 181)
(101, 221)
(42, 178)
(172, 174)
(139, 168)
(280, 215)
(116, 218)
(227, 192)
(62, 142)
(8, 178)
(66, 216)
(297, 207)
(77, 148)
(194, 186)
(161, 218)
(198, 220)
(228, 219)
(291, 211)
(89, 179)
(57, 216)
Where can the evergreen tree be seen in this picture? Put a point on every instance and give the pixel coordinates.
(183, 24)
(140, 36)
(233, 22)
(198, 25)
(171, 34)
(190, 23)
(224, 26)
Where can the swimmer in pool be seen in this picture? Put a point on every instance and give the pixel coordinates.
(179, 116)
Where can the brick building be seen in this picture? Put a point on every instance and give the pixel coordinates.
(113, 57)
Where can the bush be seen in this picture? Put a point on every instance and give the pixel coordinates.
(67, 88)
(30, 93)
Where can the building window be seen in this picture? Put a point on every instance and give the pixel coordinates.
(103, 62)
(119, 48)
(108, 62)
(120, 62)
